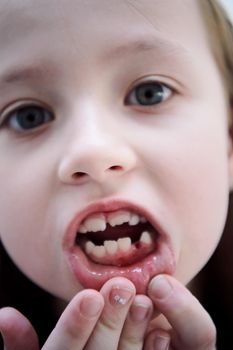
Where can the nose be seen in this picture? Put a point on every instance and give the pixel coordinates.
(95, 156)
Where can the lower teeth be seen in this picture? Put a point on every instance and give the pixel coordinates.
(112, 247)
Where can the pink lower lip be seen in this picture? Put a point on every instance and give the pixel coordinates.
(93, 275)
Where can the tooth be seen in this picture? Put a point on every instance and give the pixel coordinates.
(82, 229)
(95, 223)
(143, 220)
(89, 246)
(111, 247)
(146, 238)
(118, 218)
(134, 220)
(99, 251)
(124, 244)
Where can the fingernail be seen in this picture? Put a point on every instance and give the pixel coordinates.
(139, 312)
(89, 307)
(120, 296)
(161, 343)
(160, 287)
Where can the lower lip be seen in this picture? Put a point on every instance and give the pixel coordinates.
(93, 275)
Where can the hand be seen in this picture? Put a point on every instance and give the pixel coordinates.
(113, 319)
(191, 326)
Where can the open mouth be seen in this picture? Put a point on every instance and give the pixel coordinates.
(119, 238)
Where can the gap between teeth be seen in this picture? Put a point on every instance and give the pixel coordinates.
(98, 222)
(112, 247)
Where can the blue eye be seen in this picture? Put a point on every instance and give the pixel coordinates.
(28, 118)
(149, 94)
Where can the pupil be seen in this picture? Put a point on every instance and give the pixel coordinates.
(30, 117)
(149, 94)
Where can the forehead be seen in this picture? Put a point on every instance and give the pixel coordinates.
(92, 21)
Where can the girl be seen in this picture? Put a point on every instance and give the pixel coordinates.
(116, 165)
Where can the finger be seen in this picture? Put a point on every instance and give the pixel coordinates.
(17, 331)
(132, 337)
(192, 325)
(77, 322)
(157, 340)
(118, 294)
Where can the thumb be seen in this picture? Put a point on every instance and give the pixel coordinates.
(17, 331)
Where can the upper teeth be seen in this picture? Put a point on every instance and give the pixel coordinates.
(98, 222)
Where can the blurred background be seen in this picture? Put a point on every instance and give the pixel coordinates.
(228, 4)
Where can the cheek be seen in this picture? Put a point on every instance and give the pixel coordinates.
(29, 232)
(191, 178)
(23, 208)
(21, 223)
(204, 217)
(198, 210)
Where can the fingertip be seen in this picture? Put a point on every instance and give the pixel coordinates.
(160, 288)
(17, 331)
(11, 320)
(86, 304)
(141, 308)
(119, 291)
(83, 294)
(161, 342)
(144, 300)
(91, 304)
(158, 340)
(121, 281)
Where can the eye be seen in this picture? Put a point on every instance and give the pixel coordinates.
(149, 94)
(28, 117)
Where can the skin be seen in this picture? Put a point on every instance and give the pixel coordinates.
(177, 154)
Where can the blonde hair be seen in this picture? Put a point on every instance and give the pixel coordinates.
(220, 32)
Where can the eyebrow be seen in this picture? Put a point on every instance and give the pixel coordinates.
(27, 73)
(44, 70)
(161, 45)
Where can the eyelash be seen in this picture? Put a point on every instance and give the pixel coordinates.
(37, 116)
(145, 91)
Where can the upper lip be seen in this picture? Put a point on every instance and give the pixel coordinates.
(107, 206)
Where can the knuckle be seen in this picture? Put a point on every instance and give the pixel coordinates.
(109, 324)
(113, 321)
(132, 340)
(131, 344)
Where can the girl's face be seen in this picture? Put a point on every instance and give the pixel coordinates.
(110, 107)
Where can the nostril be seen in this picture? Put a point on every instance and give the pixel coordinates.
(115, 167)
(78, 175)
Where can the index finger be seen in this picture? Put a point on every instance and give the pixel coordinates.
(77, 322)
(191, 324)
